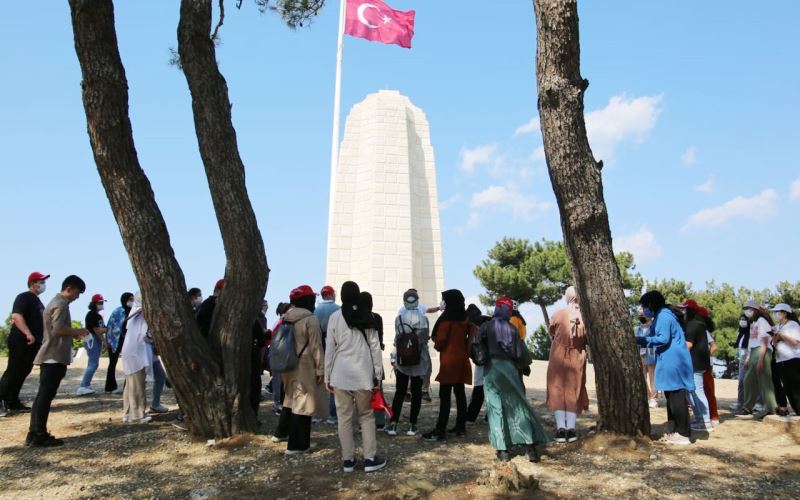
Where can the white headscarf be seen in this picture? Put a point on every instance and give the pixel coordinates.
(574, 309)
(136, 353)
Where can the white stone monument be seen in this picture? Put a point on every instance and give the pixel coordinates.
(384, 229)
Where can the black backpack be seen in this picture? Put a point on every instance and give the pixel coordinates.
(409, 352)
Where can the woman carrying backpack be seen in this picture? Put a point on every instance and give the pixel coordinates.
(511, 419)
(300, 384)
(452, 335)
(411, 360)
(353, 368)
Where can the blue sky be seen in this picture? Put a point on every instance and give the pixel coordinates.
(692, 106)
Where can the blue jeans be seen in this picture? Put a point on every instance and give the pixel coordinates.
(699, 401)
(92, 343)
(159, 379)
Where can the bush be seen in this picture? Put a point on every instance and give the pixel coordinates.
(539, 343)
(4, 331)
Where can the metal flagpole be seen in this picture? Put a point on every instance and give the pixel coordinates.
(337, 97)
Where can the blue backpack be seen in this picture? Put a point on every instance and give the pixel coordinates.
(282, 356)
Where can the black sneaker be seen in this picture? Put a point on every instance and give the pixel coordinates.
(349, 465)
(46, 439)
(561, 436)
(29, 438)
(458, 432)
(426, 396)
(374, 464)
(19, 407)
(533, 455)
(3, 409)
(744, 413)
(503, 456)
(571, 436)
(434, 435)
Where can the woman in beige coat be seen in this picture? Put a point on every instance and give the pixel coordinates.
(302, 384)
(566, 371)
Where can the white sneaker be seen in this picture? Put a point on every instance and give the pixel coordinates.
(676, 438)
(331, 421)
(144, 419)
(715, 421)
(84, 391)
(653, 403)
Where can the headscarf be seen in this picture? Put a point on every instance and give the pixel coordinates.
(503, 330)
(124, 301)
(574, 309)
(454, 309)
(356, 307)
(307, 302)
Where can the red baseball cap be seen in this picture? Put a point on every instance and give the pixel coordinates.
(505, 301)
(690, 304)
(97, 298)
(220, 284)
(703, 312)
(301, 291)
(327, 289)
(37, 277)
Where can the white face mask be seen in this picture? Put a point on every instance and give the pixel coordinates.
(749, 313)
(743, 323)
(129, 304)
(198, 301)
(442, 306)
(42, 287)
(780, 316)
(99, 307)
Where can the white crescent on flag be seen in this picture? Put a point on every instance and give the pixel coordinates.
(361, 9)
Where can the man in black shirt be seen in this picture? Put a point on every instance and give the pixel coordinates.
(205, 314)
(697, 342)
(24, 341)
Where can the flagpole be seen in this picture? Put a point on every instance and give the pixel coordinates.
(337, 98)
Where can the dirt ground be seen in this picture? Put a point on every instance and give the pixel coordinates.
(105, 458)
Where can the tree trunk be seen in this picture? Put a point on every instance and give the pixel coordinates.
(545, 315)
(578, 187)
(202, 384)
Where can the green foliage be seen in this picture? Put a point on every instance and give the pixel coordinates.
(77, 342)
(539, 342)
(5, 330)
(295, 13)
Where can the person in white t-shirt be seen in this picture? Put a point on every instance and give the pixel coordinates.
(786, 342)
(758, 379)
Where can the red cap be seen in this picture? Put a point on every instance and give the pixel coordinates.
(505, 301)
(97, 298)
(220, 284)
(326, 290)
(301, 291)
(37, 277)
(690, 304)
(703, 312)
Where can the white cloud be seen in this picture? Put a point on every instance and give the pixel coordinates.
(794, 190)
(481, 155)
(528, 128)
(621, 119)
(642, 244)
(538, 154)
(449, 202)
(706, 187)
(689, 157)
(756, 208)
(508, 199)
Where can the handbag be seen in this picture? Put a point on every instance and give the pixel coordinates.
(378, 402)
(479, 350)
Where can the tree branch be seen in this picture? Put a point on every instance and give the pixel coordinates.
(221, 20)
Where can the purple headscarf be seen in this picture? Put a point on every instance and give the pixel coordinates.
(503, 330)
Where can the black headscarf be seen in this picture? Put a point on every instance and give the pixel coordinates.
(476, 316)
(356, 307)
(454, 309)
(308, 302)
(124, 301)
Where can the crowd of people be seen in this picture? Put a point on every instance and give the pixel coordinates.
(326, 362)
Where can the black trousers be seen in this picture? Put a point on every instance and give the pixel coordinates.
(400, 396)
(284, 423)
(299, 432)
(475, 403)
(444, 407)
(677, 411)
(20, 364)
(111, 377)
(777, 384)
(50, 376)
(789, 372)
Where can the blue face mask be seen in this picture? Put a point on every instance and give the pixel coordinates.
(647, 312)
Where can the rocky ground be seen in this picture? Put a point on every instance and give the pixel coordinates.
(105, 458)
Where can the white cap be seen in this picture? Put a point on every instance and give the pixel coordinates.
(751, 304)
(782, 307)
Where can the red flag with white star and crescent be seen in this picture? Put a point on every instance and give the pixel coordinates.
(377, 22)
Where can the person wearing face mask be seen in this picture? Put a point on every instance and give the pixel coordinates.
(196, 299)
(115, 337)
(648, 356)
(786, 340)
(673, 363)
(758, 363)
(92, 343)
(423, 309)
(697, 342)
(137, 362)
(740, 344)
(519, 322)
(24, 341)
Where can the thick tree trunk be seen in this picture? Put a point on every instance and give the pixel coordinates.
(545, 315)
(578, 187)
(246, 272)
(202, 384)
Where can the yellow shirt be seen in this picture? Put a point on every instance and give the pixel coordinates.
(520, 326)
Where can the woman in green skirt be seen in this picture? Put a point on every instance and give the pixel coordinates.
(511, 419)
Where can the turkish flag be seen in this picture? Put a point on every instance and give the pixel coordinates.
(376, 21)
